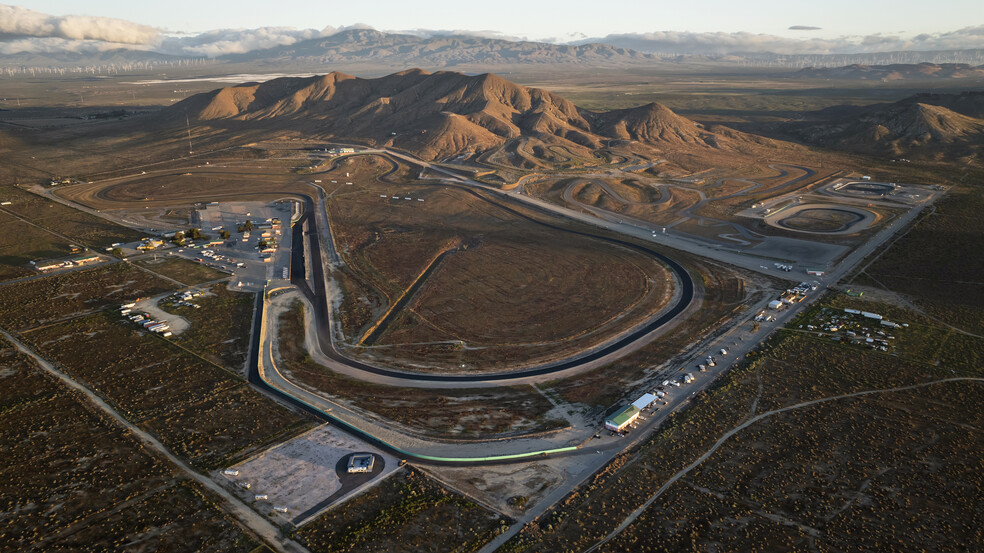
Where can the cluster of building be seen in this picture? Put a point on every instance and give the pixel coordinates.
(77, 261)
(858, 327)
(65, 180)
(270, 232)
(150, 244)
(190, 243)
(626, 417)
(340, 151)
(145, 320)
(791, 296)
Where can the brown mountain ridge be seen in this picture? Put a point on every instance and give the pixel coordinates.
(931, 126)
(442, 114)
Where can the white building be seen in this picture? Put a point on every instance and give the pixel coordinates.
(361, 462)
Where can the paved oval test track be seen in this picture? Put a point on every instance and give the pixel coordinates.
(318, 299)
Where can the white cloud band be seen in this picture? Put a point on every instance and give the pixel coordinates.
(17, 22)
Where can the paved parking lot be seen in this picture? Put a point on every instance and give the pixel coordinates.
(240, 248)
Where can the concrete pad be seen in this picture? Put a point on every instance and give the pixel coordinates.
(799, 251)
(300, 473)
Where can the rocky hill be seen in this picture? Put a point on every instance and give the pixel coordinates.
(437, 115)
(932, 126)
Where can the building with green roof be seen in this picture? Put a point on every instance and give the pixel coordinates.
(622, 418)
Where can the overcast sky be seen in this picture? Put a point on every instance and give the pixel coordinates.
(732, 24)
(545, 18)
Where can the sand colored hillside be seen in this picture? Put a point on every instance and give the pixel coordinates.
(437, 115)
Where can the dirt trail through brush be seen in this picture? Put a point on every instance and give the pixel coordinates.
(635, 514)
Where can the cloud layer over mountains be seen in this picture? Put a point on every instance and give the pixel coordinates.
(17, 22)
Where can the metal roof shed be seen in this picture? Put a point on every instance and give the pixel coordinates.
(644, 401)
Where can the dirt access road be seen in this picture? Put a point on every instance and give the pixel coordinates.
(230, 504)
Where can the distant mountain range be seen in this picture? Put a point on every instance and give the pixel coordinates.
(443, 114)
(391, 51)
(928, 126)
(364, 45)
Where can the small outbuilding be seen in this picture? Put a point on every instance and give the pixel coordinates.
(361, 462)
